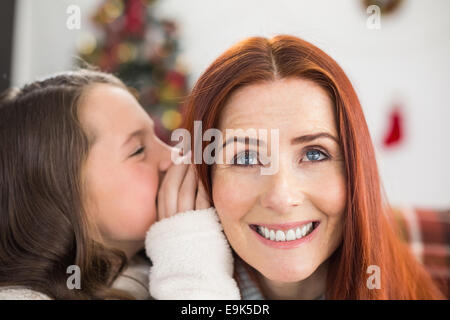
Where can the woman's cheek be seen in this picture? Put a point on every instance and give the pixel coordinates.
(329, 197)
(222, 197)
(329, 193)
(234, 195)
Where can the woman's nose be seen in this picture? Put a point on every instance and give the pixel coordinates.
(283, 191)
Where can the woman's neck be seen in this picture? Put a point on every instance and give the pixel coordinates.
(308, 289)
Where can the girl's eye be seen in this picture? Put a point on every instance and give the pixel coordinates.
(138, 151)
(246, 158)
(314, 155)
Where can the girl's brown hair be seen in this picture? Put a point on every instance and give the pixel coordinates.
(368, 234)
(44, 228)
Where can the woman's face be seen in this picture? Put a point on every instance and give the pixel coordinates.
(266, 217)
(123, 166)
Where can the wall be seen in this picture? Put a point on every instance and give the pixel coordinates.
(406, 61)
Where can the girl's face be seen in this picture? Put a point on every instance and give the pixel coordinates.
(123, 166)
(266, 217)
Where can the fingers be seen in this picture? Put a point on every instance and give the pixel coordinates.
(170, 188)
(181, 191)
(160, 201)
(202, 200)
(161, 207)
(188, 190)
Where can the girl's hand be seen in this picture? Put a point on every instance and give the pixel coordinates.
(181, 191)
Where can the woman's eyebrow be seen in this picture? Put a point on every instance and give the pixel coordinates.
(247, 139)
(314, 136)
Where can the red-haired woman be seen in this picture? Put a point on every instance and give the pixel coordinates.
(318, 226)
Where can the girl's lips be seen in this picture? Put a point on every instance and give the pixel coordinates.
(288, 244)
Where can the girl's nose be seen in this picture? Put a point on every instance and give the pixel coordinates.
(166, 153)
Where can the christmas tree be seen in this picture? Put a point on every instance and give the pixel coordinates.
(142, 50)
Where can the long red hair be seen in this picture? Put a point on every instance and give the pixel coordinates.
(369, 237)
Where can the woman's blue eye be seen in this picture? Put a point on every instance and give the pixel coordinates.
(138, 151)
(246, 159)
(314, 155)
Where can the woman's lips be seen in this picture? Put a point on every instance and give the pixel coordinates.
(286, 236)
(286, 226)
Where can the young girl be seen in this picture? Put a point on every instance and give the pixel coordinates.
(80, 167)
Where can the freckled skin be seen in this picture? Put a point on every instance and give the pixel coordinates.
(121, 187)
(300, 190)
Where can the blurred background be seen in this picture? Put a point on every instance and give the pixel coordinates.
(398, 62)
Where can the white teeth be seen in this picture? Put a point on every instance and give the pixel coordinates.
(272, 235)
(306, 229)
(266, 233)
(288, 235)
(303, 231)
(280, 236)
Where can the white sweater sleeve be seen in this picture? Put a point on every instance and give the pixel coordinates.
(191, 258)
(19, 293)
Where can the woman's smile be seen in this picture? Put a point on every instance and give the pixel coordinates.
(287, 235)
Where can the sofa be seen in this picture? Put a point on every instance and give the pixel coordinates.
(427, 232)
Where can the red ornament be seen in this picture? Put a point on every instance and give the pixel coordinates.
(134, 18)
(176, 79)
(394, 135)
